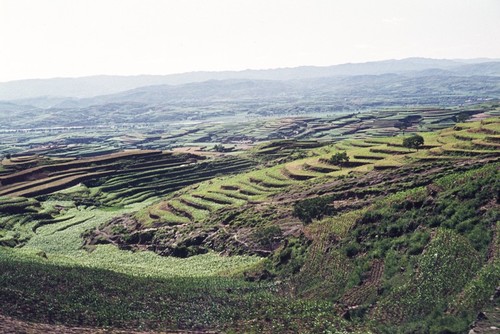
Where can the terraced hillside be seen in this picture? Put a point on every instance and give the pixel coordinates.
(127, 175)
(193, 220)
(237, 129)
(283, 238)
(109, 181)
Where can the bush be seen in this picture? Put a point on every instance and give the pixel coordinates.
(415, 141)
(313, 208)
(219, 148)
(339, 158)
(418, 241)
(352, 249)
(266, 236)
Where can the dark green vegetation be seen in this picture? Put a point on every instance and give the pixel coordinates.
(414, 141)
(89, 297)
(276, 239)
(313, 208)
(341, 158)
(410, 261)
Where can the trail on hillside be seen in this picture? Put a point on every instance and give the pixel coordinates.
(10, 325)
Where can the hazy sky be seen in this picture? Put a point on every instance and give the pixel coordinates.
(61, 38)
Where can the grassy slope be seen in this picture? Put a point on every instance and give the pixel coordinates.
(343, 255)
(78, 295)
(437, 247)
(204, 200)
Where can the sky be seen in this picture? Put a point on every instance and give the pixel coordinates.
(73, 38)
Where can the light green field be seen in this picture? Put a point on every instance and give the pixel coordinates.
(61, 243)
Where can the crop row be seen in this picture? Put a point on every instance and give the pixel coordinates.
(25, 174)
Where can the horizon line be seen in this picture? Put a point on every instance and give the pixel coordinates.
(486, 59)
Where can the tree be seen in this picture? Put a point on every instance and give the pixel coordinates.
(219, 148)
(414, 141)
(267, 236)
(313, 208)
(339, 158)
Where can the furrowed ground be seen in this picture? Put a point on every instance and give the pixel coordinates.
(275, 239)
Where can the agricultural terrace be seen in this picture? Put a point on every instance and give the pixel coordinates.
(89, 234)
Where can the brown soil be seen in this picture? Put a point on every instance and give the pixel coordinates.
(358, 294)
(197, 150)
(487, 322)
(10, 325)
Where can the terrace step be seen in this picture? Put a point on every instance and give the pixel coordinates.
(298, 177)
(473, 153)
(369, 157)
(254, 187)
(250, 193)
(385, 167)
(209, 198)
(206, 204)
(266, 184)
(492, 139)
(276, 176)
(227, 187)
(486, 144)
(320, 168)
(235, 195)
(179, 210)
(194, 205)
(389, 151)
(363, 144)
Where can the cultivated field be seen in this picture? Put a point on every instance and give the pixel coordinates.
(263, 232)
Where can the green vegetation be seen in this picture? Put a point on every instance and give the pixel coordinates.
(423, 236)
(289, 236)
(81, 296)
(313, 208)
(339, 158)
(415, 141)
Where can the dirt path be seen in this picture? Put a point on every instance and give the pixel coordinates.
(10, 325)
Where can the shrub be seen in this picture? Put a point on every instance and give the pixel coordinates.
(415, 141)
(267, 235)
(352, 249)
(339, 158)
(219, 148)
(313, 208)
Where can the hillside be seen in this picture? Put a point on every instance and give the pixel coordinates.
(111, 128)
(274, 237)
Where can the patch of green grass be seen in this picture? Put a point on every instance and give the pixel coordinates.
(448, 263)
(338, 225)
(82, 296)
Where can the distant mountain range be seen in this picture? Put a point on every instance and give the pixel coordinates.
(204, 96)
(46, 93)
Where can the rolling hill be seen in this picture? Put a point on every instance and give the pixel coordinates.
(274, 239)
